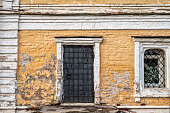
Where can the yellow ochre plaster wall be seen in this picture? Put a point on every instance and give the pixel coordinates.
(94, 1)
(37, 66)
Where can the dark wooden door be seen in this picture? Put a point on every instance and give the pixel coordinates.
(78, 84)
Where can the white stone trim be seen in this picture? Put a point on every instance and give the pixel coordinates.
(78, 41)
(8, 67)
(144, 107)
(137, 71)
(93, 9)
(81, 41)
(59, 81)
(97, 72)
(113, 22)
(22, 107)
(142, 44)
(7, 108)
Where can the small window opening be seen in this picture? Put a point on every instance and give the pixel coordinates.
(154, 68)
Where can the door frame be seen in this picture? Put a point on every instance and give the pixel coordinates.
(95, 41)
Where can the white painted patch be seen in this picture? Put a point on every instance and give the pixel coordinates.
(8, 49)
(7, 104)
(9, 42)
(8, 65)
(8, 73)
(8, 26)
(8, 34)
(7, 97)
(8, 57)
(7, 81)
(7, 89)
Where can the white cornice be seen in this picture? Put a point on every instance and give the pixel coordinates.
(46, 22)
(93, 9)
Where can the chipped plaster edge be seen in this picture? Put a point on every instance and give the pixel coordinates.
(79, 41)
(145, 107)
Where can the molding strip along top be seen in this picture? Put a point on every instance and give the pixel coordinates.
(114, 22)
(93, 9)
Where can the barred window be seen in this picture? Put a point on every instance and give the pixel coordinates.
(154, 68)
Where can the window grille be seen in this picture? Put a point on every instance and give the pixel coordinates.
(154, 68)
(78, 77)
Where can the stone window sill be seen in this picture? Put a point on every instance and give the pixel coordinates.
(155, 92)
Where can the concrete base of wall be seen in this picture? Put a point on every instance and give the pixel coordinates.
(151, 110)
(97, 109)
(7, 111)
(144, 109)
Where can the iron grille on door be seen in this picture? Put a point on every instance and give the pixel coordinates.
(78, 84)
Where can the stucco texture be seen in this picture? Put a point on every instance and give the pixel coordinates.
(37, 66)
(94, 2)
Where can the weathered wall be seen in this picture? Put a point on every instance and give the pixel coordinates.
(95, 2)
(37, 66)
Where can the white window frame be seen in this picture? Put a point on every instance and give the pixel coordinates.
(142, 44)
(95, 41)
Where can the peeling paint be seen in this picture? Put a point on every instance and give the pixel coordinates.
(30, 89)
(118, 85)
(5, 67)
(3, 58)
(116, 71)
(26, 59)
(137, 87)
